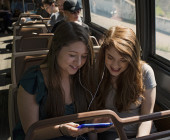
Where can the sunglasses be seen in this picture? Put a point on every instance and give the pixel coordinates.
(75, 12)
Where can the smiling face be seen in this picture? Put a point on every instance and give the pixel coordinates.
(114, 62)
(72, 57)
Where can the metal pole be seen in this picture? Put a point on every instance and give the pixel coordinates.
(23, 5)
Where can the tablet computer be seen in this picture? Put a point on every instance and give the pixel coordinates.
(95, 125)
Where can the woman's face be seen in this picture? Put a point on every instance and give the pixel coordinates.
(114, 62)
(72, 57)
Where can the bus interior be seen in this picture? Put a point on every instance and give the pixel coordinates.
(27, 43)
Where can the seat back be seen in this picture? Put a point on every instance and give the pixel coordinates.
(22, 61)
(33, 42)
(31, 28)
(26, 61)
(35, 24)
(96, 45)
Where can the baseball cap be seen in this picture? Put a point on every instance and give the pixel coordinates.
(71, 5)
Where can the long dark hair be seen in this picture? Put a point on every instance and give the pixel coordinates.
(65, 34)
(130, 82)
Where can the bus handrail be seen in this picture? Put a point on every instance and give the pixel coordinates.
(117, 121)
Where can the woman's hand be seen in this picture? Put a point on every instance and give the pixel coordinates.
(70, 129)
(102, 120)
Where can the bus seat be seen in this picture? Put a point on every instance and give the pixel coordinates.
(117, 121)
(32, 17)
(22, 61)
(26, 31)
(163, 124)
(35, 25)
(33, 42)
(31, 28)
(96, 45)
(94, 40)
(27, 61)
(13, 115)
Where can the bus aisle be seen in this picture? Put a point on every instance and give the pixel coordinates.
(5, 81)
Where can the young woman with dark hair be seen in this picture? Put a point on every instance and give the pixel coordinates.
(56, 87)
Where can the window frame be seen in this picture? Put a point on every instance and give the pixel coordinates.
(145, 30)
(146, 33)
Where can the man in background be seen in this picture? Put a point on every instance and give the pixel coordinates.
(51, 7)
(71, 11)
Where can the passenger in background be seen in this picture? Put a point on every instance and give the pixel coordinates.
(52, 9)
(55, 87)
(20, 6)
(13, 6)
(60, 6)
(128, 86)
(71, 12)
(28, 5)
(6, 16)
(16, 8)
(39, 8)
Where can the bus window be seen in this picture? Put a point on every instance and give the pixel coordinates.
(162, 13)
(107, 13)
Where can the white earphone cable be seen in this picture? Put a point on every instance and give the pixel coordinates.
(93, 97)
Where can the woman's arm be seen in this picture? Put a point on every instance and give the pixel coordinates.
(29, 114)
(28, 108)
(147, 108)
(67, 129)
